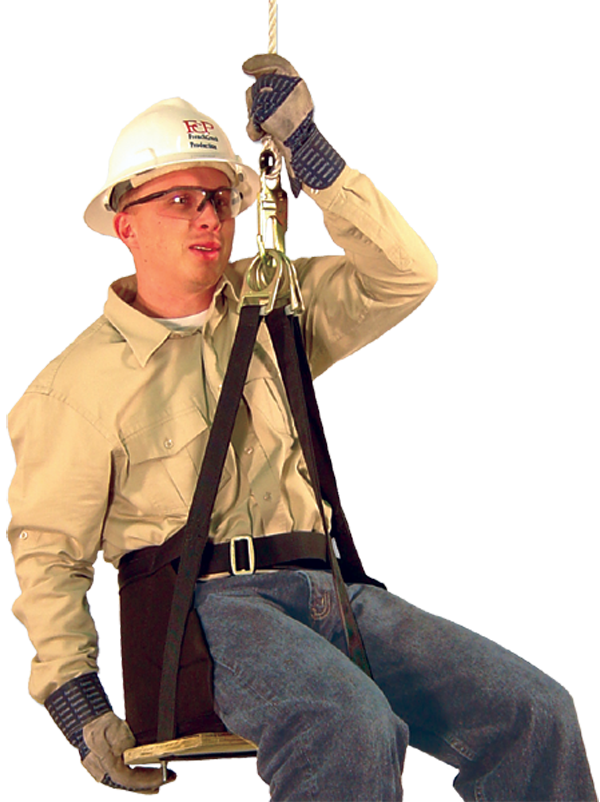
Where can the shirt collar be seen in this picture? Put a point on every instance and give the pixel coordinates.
(143, 334)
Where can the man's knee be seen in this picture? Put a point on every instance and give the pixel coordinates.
(547, 707)
(361, 719)
(536, 717)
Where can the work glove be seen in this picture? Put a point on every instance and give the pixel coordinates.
(279, 105)
(83, 713)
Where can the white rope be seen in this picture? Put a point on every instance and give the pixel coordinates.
(268, 143)
(272, 26)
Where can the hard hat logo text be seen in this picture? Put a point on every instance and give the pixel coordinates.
(198, 126)
(198, 132)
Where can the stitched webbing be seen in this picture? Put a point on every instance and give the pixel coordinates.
(287, 349)
(198, 523)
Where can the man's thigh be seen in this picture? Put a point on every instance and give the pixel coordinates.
(321, 724)
(458, 692)
(269, 652)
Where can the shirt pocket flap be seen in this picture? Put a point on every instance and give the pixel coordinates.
(265, 393)
(257, 370)
(165, 438)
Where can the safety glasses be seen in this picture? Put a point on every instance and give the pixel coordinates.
(186, 202)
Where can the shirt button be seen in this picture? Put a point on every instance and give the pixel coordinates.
(168, 443)
(267, 497)
(248, 450)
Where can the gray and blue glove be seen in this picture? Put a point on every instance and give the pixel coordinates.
(81, 710)
(279, 105)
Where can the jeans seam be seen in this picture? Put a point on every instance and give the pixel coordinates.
(239, 679)
(269, 702)
(479, 792)
(460, 746)
(312, 785)
(272, 704)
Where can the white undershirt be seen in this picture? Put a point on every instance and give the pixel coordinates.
(183, 323)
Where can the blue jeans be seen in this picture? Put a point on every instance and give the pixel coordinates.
(325, 731)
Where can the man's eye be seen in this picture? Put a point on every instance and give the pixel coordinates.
(223, 200)
(181, 199)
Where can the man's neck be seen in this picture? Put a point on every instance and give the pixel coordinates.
(175, 306)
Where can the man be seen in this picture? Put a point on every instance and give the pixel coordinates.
(109, 440)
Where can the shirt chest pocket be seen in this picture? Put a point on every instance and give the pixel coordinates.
(266, 397)
(164, 463)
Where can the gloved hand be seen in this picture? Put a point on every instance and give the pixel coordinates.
(107, 737)
(279, 104)
(82, 711)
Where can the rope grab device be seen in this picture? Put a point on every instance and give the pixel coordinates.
(271, 280)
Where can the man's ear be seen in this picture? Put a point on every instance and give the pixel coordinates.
(125, 229)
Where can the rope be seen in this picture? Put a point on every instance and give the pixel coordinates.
(268, 143)
(272, 26)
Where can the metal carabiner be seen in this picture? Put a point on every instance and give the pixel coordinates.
(271, 279)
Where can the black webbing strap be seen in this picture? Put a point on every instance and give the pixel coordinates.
(198, 523)
(353, 569)
(287, 348)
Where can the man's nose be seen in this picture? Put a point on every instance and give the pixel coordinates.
(206, 215)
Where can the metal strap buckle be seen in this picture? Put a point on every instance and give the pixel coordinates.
(251, 557)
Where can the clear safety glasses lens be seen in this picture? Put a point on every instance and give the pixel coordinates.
(187, 202)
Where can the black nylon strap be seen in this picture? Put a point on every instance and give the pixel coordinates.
(286, 347)
(289, 347)
(270, 551)
(352, 566)
(198, 523)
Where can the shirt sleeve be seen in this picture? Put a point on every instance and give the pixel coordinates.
(58, 500)
(385, 273)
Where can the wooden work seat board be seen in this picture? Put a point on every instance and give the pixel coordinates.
(192, 747)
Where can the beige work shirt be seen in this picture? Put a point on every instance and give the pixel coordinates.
(109, 438)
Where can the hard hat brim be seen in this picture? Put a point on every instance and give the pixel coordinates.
(99, 216)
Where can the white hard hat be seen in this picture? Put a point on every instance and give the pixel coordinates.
(170, 135)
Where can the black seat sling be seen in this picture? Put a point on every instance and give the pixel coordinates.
(287, 340)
